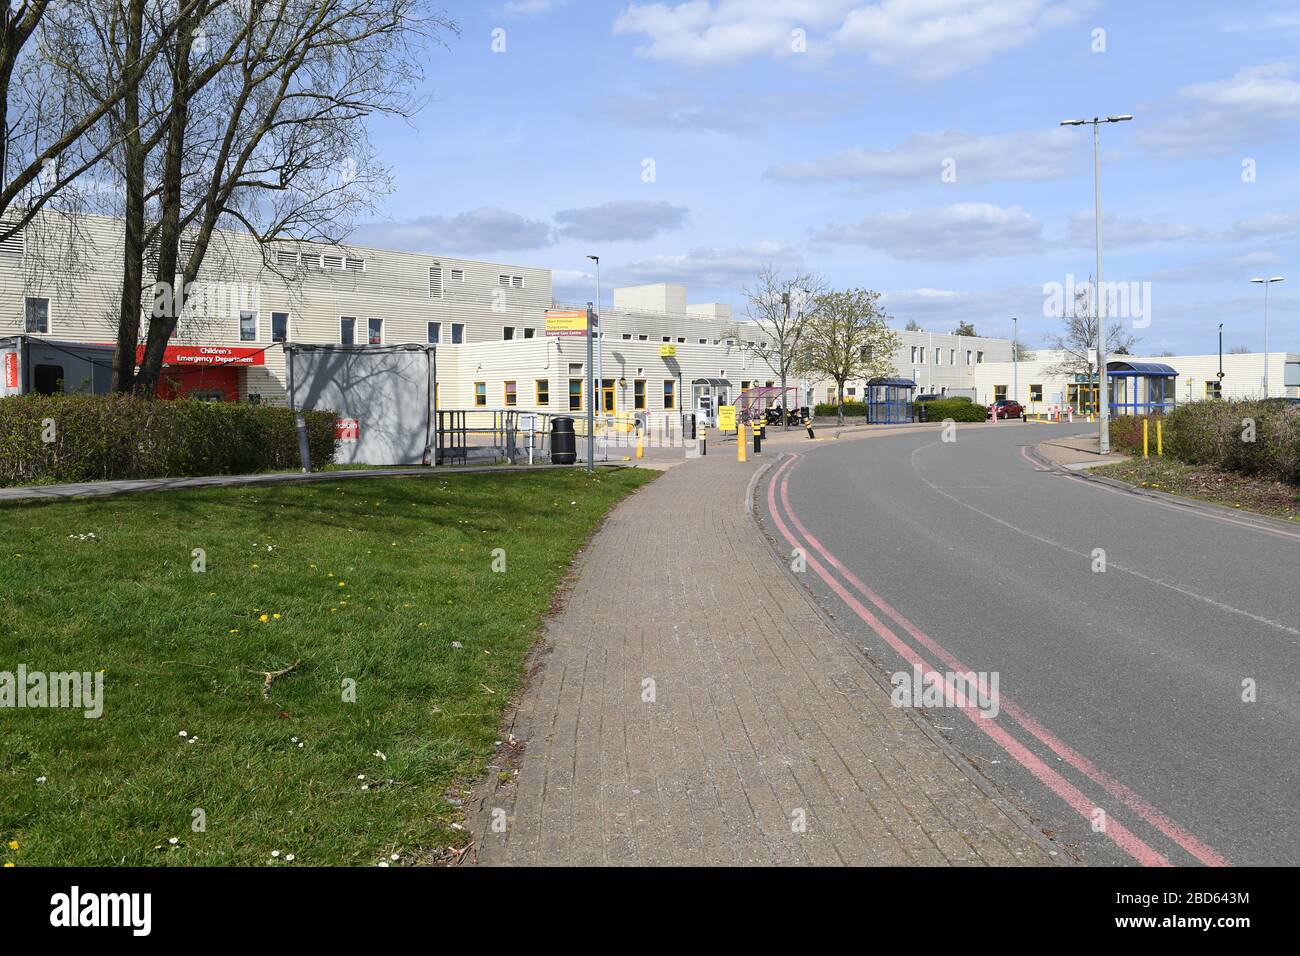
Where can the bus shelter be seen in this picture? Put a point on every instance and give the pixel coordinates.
(1141, 388)
(889, 401)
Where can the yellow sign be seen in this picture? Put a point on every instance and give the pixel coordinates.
(727, 418)
(667, 351)
(566, 322)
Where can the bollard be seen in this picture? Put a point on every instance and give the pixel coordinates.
(1160, 436)
(758, 437)
(1146, 439)
(640, 442)
(740, 441)
(704, 440)
(807, 423)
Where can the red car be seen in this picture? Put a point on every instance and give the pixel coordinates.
(1006, 408)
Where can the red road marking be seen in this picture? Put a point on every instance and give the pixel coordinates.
(1062, 788)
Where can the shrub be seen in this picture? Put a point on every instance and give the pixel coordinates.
(1126, 433)
(105, 437)
(959, 409)
(949, 398)
(851, 410)
(1251, 437)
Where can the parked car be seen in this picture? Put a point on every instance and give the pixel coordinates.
(1006, 408)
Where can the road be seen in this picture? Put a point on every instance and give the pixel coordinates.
(1121, 728)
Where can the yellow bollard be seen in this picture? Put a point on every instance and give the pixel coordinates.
(1146, 439)
(1160, 437)
(640, 444)
(740, 441)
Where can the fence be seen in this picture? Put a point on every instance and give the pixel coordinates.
(483, 435)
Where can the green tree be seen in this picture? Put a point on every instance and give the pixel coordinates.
(964, 328)
(846, 339)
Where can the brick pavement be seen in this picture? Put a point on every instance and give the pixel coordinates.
(761, 712)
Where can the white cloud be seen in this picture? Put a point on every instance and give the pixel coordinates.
(1229, 268)
(1119, 231)
(739, 114)
(958, 232)
(528, 8)
(1256, 102)
(976, 159)
(930, 38)
(487, 229)
(621, 219)
(937, 38)
(711, 267)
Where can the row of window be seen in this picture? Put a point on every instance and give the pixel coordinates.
(291, 258)
(542, 394)
(973, 356)
(681, 339)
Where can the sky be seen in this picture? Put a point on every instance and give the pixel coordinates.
(907, 146)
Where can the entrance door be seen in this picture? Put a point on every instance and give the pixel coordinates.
(607, 396)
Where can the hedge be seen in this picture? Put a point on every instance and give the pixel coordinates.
(959, 409)
(1251, 437)
(851, 410)
(105, 437)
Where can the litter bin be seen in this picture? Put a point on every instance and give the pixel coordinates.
(564, 442)
(688, 427)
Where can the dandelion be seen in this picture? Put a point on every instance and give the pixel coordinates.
(457, 644)
(40, 779)
(275, 616)
(275, 854)
(173, 840)
(183, 734)
(290, 858)
(381, 863)
(343, 584)
(7, 865)
(394, 857)
(264, 618)
(379, 754)
(361, 776)
(13, 844)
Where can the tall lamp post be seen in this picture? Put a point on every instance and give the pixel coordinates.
(1015, 359)
(600, 342)
(1221, 360)
(1266, 283)
(1103, 393)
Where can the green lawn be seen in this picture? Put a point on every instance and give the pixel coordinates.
(367, 580)
(1205, 483)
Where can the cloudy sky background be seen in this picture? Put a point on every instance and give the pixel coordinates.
(831, 158)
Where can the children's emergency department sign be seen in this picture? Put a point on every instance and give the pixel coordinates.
(727, 418)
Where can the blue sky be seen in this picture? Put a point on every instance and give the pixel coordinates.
(826, 150)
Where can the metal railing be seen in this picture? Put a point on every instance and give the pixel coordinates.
(484, 435)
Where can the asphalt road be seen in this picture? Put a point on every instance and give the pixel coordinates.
(1121, 727)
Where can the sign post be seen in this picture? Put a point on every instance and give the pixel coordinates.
(591, 398)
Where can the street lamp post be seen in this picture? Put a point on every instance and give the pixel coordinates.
(600, 343)
(1266, 283)
(1015, 359)
(1103, 393)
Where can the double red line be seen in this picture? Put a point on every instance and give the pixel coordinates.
(853, 592)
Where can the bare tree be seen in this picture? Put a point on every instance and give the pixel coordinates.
(780, 307)
(1078, 339)
(846, 338)
(912, 326)
(964, 328)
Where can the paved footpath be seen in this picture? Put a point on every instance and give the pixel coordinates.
(762, 716)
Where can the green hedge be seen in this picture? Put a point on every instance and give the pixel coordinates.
(958, 409)
(851, 410)
(104, 437)
(1251, 437)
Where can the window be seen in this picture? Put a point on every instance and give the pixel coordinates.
(642, 338)
(503, 281)
(347, 330)
(512, 395)
(435, 333)
(248, 326)
(47, 379)
(913, 354)
(435, 282)
(279, 326)
(852, 391)
(681, 339)
(510, 282)
(607, 395)
(638, 395)
(704, 341)
(38, 315)
(667, 338)
(979, 358)
(1213, 389)
(627, 336)
(528, 333)
(457, 333)
(968, 356)
(952, 356)
(331, 262)
(375, 331)
(1035, 393)
(480, 394)
(938, 356)
(670, 394)
(457, 275)
(286, 257)
(508, 333)
(999, 393)
(575, 394)
(354, 265)
(543, 392)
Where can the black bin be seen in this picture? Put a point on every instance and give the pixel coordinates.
(564, 442)
(688, 427)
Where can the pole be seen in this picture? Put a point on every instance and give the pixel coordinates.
(591, 404)
(1015, 359)
(1103, 393)
(1221, 357)
(600, 345)
(1266, 285)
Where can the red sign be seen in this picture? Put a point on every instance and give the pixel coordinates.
(11, 370)
(206, 355)
(347, 429)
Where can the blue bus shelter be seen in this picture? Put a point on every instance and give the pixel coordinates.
(1141, 388)
(889, 401)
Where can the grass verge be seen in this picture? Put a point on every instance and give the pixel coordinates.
(1205, 483)
(385, 582)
